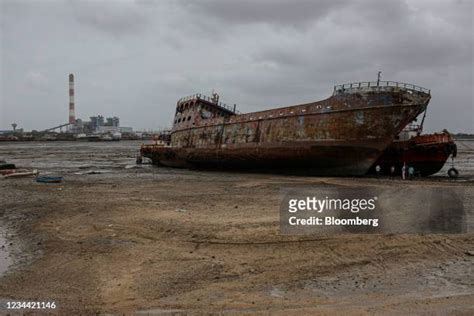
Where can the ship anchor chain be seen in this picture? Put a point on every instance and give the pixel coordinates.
(453, 172)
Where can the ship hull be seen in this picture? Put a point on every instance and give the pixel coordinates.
(340, 136)
(312, 158)
(305, 144)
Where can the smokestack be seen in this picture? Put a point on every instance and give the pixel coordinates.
(72, 115)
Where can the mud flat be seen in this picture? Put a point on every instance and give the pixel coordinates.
(5, 259)
(118, 238)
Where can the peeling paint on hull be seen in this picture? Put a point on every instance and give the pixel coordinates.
(314, 159)
(342, 135)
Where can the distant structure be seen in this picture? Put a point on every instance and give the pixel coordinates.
(15, 130)
(72, 114)
(100, 125)
(113, 121)
(96, 125)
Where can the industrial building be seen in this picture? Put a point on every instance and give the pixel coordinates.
(97, 124)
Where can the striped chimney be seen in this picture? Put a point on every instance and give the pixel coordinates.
(72, 115)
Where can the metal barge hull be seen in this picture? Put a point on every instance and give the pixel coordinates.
(342, 135)
(312, 159)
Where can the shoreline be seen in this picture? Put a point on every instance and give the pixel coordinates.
(142, 238)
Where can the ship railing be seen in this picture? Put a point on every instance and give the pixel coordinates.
(374, 85)
(199, 96)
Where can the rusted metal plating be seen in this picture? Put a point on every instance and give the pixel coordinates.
(342, 135)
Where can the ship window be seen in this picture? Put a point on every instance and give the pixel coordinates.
(179, 120)
(189, 117)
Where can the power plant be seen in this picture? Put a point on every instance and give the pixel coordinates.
(96, 125)
(97, 128)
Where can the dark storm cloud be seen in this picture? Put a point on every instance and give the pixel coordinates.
(134, 59)
(278, 12)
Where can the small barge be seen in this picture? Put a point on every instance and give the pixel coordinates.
(426, 153)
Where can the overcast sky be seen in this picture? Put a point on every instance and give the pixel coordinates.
(134, 59)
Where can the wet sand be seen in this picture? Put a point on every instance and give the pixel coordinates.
(159, 240)
(5, 258)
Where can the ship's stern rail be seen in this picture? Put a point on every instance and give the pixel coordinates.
(377, 86)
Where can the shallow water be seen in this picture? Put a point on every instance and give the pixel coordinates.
(67, 157)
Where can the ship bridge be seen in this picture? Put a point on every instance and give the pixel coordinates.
(198, 107)
(378, 85)
(211, 101)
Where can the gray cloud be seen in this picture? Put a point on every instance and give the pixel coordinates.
(119, 18)
(134, 59)
(276, 12)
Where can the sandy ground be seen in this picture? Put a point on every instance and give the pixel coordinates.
(156, 240)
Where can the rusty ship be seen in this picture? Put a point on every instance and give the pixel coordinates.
(426, 153)
(342, 135)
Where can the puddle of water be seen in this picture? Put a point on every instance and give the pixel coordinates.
(5, 260)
